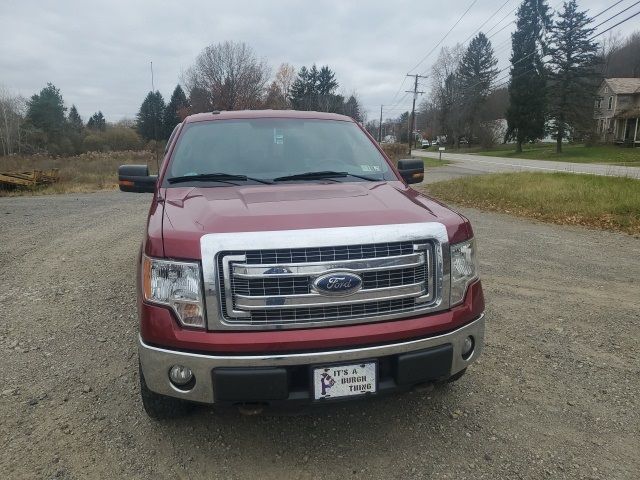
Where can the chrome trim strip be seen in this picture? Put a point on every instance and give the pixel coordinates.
(156, 362)
(319, 268)
(214, 243)
(228, 291)
(317, 300)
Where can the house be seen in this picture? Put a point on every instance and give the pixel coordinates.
(617, 111)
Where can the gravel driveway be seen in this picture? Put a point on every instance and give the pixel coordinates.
(555, 395)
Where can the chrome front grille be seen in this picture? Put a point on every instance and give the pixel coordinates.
(264, 280)
(273, 288)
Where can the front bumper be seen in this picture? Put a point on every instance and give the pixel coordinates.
(156, 363)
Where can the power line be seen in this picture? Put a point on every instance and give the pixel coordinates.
(445, 36)
(614, 16)
(500, 21)
(591, 38)
(485, 22)
(614, 26)
(404, 79)
(606, 9)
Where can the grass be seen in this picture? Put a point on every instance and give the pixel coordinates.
(433, 162)
(88, 172)
(397, 151)
(609, 203)
(610, 154)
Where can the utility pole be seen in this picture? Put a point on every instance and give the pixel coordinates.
(380, 126)
(155, 122)
(413, 109)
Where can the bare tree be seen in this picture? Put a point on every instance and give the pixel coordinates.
(285, 77)
(446, 92)
(230, 75)
(277, 96)
(11, 118)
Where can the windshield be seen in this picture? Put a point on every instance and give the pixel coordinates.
(269, 148)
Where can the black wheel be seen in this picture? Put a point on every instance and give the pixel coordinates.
(457, 376)
(160, 407)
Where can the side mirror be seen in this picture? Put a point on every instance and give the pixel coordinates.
(136, 178)
(411, 169)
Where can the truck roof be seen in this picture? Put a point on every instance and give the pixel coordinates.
(244, 114)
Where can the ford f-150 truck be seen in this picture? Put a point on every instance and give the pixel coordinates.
(286, 261)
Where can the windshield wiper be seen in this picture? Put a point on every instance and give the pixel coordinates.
(215, 177)
(321, 175)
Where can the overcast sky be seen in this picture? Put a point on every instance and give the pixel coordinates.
(99, 53)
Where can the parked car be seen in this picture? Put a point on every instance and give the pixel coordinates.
(425, 144)
(287, 261)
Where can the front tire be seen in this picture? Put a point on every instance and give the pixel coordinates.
(457, 376)
(161, 407)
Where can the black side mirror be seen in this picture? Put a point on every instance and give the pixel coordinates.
(136, 178)
(411, 169)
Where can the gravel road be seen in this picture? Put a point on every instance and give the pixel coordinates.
(555, 395)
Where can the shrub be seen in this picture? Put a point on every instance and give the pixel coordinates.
(94, 142)
(121, 138)
(395, 151)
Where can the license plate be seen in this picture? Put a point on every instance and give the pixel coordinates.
(338, 381)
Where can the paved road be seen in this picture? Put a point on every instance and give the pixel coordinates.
(555, 394)
(468, 164)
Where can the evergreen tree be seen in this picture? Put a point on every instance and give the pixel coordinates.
(302, 90)
(45, 111)
(149, 118)
(352, 109)
(75, 120)
(175, 111)
(573, 76)
(528, 88)
(314, 89)
(327, 83)
(97, 122)
(476, 73)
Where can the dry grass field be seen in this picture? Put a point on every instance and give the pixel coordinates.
(88, 172)
(609, 203)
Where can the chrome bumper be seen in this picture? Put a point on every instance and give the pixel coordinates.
(156, 362)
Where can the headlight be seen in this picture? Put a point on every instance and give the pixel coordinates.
(463, 269)
(176, 284)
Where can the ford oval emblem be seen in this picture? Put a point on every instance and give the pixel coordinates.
(338, 283)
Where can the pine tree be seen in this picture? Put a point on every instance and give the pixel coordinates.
(175, 111)
(302, 90)
(97, 122)
(573, 76)
(45, 111)
(314, 89)
(149, 118)
(476, 73)
(75, 120)
(528, 88)
(352, 109)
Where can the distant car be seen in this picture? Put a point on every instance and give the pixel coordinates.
(435, 142)
(425, 144)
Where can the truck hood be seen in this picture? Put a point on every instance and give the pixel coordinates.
(190, 212)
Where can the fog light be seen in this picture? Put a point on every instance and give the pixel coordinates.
(180, 375)
(467, 347)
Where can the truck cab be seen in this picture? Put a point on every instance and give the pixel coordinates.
(286, 261)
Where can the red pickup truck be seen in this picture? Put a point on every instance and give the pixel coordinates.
(286, 261)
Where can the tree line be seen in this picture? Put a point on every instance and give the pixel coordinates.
(230, 76)
(224, 76)
(43, 123)
(556, 66)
